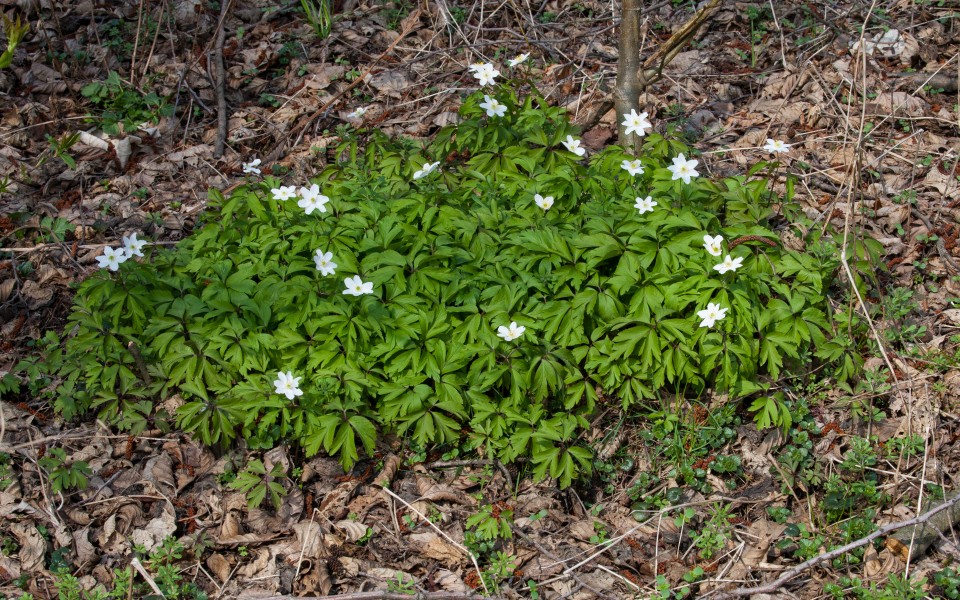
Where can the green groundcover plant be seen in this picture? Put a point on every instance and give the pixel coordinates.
(488, 288)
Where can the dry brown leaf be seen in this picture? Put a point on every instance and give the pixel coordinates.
(156, 530)
(159, 472)
(86, 553)
(315, 579)
(449, 581)
(431, 545)
(32, 546)
(219, 566)
(437, 492)
(391, 83)
(352, 530)
(310, 537)
(584, 530)
(334, 505)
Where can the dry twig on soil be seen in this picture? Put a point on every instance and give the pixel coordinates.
(786, 577)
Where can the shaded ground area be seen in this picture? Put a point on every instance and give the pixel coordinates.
(110, 127)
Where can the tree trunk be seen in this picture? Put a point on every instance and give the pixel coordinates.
(627, 93)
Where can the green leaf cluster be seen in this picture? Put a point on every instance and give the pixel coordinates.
(609, 299)
(124, 107)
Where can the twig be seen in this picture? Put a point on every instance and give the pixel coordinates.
(775, 585)
(135, 562)
(556, 559)
(220, 80)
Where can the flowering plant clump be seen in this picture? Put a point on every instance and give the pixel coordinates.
(477, 289)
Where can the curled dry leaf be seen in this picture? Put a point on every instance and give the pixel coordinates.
(436, 492)
(352, 530)
(314, 579)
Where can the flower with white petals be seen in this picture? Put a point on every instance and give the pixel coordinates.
(711, 314)
(729, 264)
(776, 146)
(511, 332)
(683, 169)
(635, 123)
(132, 246)
(288, 385)
(485, 73)
(544, 202)
(573, 145)
(493, 107)
(311, 199)
(252, 167)
(111, 258)
(426, 170)
(634, 167)
(325, 264)
(284, 192)
(712, 244)
(357, 287)
(645, 205)
(358, 112)
(516, 60)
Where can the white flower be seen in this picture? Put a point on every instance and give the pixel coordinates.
(634, 167)
(729, 264)
(132, 246)
(111, 258)
(425, 170)
(573, 145)
(512, 332)
(711, 314)
(635, 123)
(776, 146)
(683, 169)
(485, 73)
(712, 244)
(645, 205)
(357, 287)
(358, 112)
(493, 107)
(284, 192)
(311, 199)
(252, 167)
(518, 59)
(288, 385)
(325, 264)
(543, 202)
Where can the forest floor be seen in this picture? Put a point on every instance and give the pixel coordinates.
(690, 501)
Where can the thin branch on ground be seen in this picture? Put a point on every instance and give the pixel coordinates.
(786, 577)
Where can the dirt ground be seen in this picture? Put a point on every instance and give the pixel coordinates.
(866, 94)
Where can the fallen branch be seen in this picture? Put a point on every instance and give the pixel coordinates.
(775, 585)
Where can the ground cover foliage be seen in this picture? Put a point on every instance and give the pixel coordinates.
(608, 294)
(510, 299)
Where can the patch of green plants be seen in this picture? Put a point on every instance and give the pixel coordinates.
(319, 16)
(123, 107)
(470, 311)
(14, 32)
(161, 564)
(256, 482)
(948, 582)
(897, 587)
(62, 473)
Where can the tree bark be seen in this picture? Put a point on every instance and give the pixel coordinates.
(627, 93)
